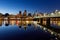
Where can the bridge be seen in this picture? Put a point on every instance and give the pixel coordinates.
(45, 21)
(48, 19)
(51, 22)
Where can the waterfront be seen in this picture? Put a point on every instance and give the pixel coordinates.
(16, 27)
(30, 27)
(25, 30)
(29, 20)
(30, 33)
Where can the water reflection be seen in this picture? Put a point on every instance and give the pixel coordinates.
(19, 23)
(21, 29)
(14, 22)
(53, 21)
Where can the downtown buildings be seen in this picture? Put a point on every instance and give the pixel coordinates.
(27, 18)
(19, 19)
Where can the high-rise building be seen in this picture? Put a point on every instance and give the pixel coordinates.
(25, 13)
(20, 13)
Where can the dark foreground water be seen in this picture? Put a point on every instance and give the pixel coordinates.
(30, 33)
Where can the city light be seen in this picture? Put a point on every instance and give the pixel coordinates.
(59, 12)
(52, 14)
(27, 22)
(40, 20)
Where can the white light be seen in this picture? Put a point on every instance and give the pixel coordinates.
(56, 10)
(44, 28)
(35, 22)
(27, 21)
(51, 32)
(52, 13)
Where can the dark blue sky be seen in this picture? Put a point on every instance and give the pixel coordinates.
(13, 6)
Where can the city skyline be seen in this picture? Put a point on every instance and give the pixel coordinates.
(13, 6)
(29, 19)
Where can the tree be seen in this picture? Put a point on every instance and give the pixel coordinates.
(1, 14)
(6, 14)
(25, 13)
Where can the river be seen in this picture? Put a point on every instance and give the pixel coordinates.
(14, 32)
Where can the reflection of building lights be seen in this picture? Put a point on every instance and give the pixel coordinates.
(35, 22)
(59, 23)
(44, 28)
(5, 22)
(12, 22)
(27, 21)
(17, 22)
(51, 32)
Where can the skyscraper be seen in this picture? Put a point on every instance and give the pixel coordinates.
(25, 13)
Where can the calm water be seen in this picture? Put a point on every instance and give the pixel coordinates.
(30, 33)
